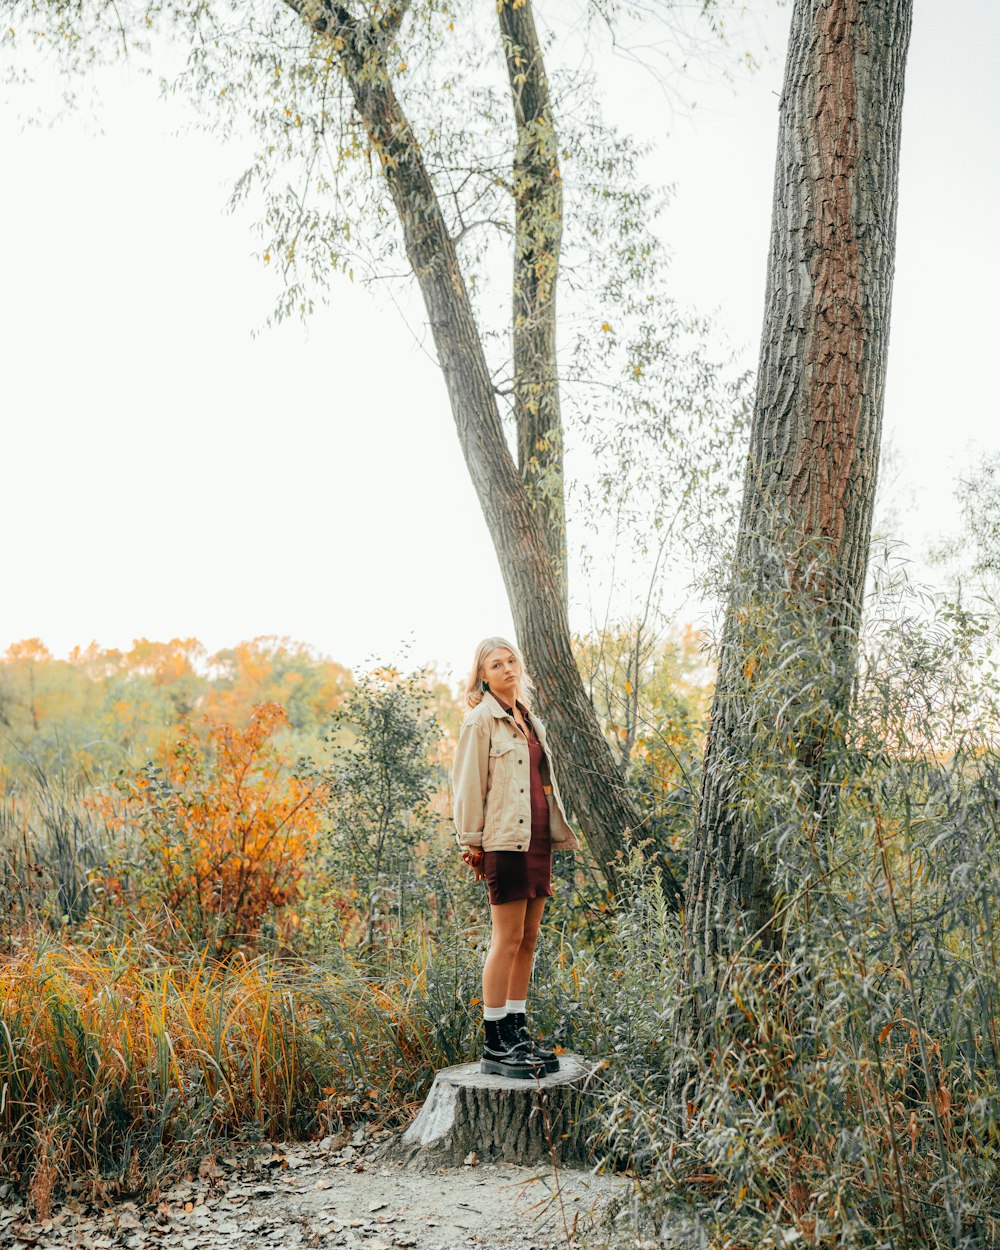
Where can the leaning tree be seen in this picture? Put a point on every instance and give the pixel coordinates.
(406, 130)
(789, 642)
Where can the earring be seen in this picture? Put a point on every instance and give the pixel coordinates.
(484, 686)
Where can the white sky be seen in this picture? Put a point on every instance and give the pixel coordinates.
(169, 475)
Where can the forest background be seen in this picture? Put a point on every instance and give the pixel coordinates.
(230, 898)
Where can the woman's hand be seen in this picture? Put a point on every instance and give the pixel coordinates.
(477, 862)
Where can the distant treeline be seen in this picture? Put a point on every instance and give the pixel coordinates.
(102, 709)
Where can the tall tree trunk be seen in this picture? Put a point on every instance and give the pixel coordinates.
(809, 484)
(537, 186)
(521, 520)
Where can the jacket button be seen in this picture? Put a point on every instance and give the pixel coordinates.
(520, 761)
(522, 789)
(521, 821)
(519, 846)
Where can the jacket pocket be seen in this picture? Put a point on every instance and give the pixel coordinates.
(501, 747)
(498, 784)
(499, 764)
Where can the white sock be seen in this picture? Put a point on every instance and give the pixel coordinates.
(517, 1004)
(493, 1013)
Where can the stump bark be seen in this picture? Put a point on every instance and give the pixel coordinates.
(499, 1118)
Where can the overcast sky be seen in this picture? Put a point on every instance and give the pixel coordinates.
(168, 475)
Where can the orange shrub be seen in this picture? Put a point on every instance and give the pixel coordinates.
(226, 830)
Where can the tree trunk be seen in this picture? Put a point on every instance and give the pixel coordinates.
(499, 1118)
(809, 484)
(537, 185)
(521, 520)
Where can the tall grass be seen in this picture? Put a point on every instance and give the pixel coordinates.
(51, 846)
(117, 1065)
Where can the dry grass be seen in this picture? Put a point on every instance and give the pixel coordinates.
(116, 1066)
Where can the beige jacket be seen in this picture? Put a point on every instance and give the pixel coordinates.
(491, 785)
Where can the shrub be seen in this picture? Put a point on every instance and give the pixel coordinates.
(215, 841)
(841, 1087)
(378, 784)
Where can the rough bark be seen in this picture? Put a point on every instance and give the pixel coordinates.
(499, 1118)
(537, 186)
(809, 485)
(521, 529)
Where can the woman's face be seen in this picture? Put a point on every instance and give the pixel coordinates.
(502, 671)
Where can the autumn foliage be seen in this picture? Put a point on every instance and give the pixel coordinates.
(226, 832)
(100, 707)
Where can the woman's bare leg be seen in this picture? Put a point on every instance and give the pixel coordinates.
(508, 932)
(520, 972)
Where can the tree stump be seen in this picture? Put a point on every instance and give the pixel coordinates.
(499, 1118)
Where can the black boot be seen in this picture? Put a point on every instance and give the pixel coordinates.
(515, 1029)
(505, 1056)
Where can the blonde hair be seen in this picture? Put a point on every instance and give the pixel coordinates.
(473, 687)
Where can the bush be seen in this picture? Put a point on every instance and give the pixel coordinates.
(843, 1087)
(214, 842)
(378, 784)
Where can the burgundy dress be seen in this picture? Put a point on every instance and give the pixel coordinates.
(525, 874)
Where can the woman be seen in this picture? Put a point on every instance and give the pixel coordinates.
(509, 819)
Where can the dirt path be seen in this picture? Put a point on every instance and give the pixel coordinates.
(335, 1193)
